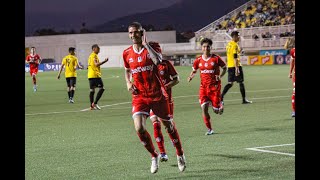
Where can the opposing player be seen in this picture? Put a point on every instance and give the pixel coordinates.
(70, 62)
(210, 85)
(94, 76)
(235, 71)
(290, 45)
(148, 92)
(33, 59)
(170, 78)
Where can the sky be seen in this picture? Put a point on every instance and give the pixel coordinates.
(70, 14)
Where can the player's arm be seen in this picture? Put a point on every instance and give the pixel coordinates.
(154, 55)
(175, 81)
(60, 70)
(292, 64)
(223, 66)
(100, 63)
(236, 58)
(127, 76)
(191, 76)
(79, 66)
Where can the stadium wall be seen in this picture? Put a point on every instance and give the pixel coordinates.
(56, 46)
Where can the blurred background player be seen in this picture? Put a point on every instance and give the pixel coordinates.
(290, 46)
(94, 77)
(70, 62)
(210, 85)
(170, 78)
(148, 92)
(235, 72)
(33, 59)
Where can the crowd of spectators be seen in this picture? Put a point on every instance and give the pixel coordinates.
(261, 13)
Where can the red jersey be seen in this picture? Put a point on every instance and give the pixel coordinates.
(293, 53)
(167, 72)
(209, 69)
(144, 72)
(33, 60)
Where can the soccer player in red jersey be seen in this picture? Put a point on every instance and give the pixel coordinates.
(290, 45)
(148, 92)
(210, 85)
(33, 60)
(170, 78)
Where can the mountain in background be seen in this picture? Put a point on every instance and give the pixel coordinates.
(184, 16)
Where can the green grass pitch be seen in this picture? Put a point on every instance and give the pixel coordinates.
(67, 141)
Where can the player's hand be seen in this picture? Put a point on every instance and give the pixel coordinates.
(237, 72)
(131, 88)
(144, 38)
(106, 59)
(290, 76)
(189, 79)
(58, 77)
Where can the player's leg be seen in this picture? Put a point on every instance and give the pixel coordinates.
(158, 136)
(206, 118)
(204, 104)
(68, 88)
(140, 113)
(215, 98)
(34, 79)
(231, 79)
(240, 80)
(99, 94)
(73, 81)
(92, 91)
(161, 109)
(293, 104)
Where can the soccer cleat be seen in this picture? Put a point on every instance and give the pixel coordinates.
(210, 132)
(92, 107)
(221, 108)
(155, 164)
(71, 100)
(181, 163)
(246, 101)
(34, 88)
(95, 106)
(164, 157)
(98, 107)
(293, 114)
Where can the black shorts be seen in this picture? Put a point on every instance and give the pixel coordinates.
(71, 81)
(95, 82)
(232, 75)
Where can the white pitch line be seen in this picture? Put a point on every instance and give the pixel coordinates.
(110, 105)
(264, 90)
(59, 112)
(269, 151)
(107, 105)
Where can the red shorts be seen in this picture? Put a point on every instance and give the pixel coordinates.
(142, 105)
(170, 108)
(211, 95)
(33, 71)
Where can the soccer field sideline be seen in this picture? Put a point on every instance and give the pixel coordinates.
(110, 105)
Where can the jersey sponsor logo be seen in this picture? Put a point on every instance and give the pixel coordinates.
(142, 69)
(206, 71)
